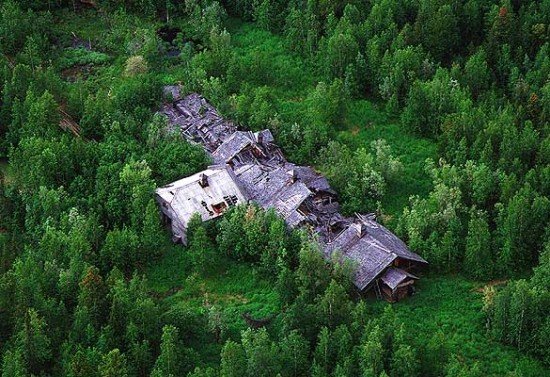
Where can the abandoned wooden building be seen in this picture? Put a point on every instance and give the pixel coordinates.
(380, 256)
(396, 284)
(250, 167)
(208, 193)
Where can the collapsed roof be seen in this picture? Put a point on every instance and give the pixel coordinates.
(256, 170)
(198, 121)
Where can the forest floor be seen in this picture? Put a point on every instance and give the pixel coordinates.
(449, 303)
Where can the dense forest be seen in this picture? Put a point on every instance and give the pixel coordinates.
(433, 113)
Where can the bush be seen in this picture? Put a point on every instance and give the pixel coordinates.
(136, 65)
(80, 56)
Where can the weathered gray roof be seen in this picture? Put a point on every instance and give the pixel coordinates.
(185, 197)
(395, 276)
(371, 246)
(289, 198)
(261, 182)
(367, 254)
(389, 240)
(371, 261)
(264, 136)
(311, 178)
(233, 145)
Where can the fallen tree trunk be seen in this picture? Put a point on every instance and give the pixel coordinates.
(256, 323)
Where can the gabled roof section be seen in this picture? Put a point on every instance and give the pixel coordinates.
(388, 239)
(289, 198)
(371, 246)
(395, 276)
(232, 146)
(189, 195)
(365, 252)
(371, 261)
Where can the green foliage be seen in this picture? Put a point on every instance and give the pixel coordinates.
(478, 248)
(135, 65)
(233, 360)
(78, 218)
(170, 360)
(242, 236)
(80, 57)
(16, 26)
(429, 102)
(520, 246)
(113, 364)
(437, 28)
(370, 173)
(203, 255)
(516, 313)
(261, 353)
(294, 354)
(34, 342)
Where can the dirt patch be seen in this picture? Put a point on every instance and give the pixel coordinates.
(355, 130)
(492, 283)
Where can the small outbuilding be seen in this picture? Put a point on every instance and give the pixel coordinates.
(396, 284)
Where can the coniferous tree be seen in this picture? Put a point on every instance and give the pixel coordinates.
(478, 258)
(170, 360)
(233, 360)
(113, 364)
(294, 353)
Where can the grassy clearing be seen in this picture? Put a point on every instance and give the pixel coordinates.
(366, 123)
(449, 303)
(453, 305)
(293, 80)
(234, 290)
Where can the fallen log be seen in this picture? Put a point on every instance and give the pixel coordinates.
(256, 323)
(68, 123)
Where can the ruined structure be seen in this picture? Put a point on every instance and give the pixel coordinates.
(251, 167)
(208, 193)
